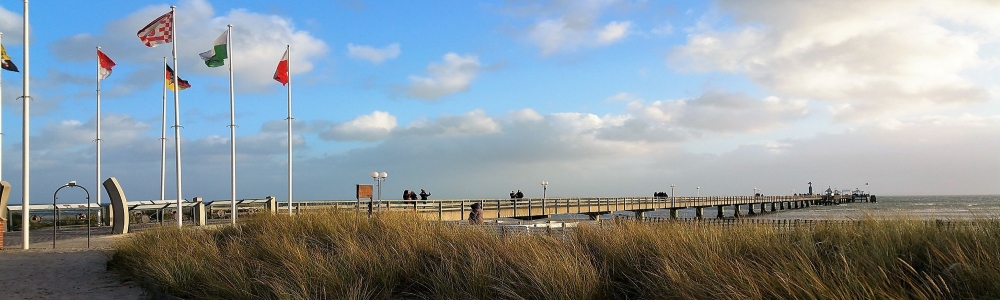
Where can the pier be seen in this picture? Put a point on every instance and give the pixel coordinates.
(594, 207)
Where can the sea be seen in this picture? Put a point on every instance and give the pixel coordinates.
(956, 207)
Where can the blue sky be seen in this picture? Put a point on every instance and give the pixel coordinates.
(477, 98)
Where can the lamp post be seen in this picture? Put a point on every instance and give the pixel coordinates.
(379, 177)
(699, 191)
(55, 223)
(672, 195)
(545, 185)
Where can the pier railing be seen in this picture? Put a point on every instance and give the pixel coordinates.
(530, 208)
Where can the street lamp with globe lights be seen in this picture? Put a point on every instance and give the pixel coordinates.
(545, 185)
(672, 195)
(379, 177)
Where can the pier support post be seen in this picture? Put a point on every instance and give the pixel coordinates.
(699, 212)
(750, 210)
(736, 211)
(762, 208)
(640, 215)
(673, 213)
(773, 206)
(721, 210)
(781, 205)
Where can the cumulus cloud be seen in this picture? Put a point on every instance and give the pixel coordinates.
(11, 24)
(568, 25)
(372, 54)
(613, 32)
(877, 57)
(257, 37)
(453, 75)
(714, 112)
(372, 127)
(475, 122)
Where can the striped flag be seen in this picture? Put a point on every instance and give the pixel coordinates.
(158, 31)
(169, 80)
(106, 65)
(281, 73)
(5, 61)
(217, 56)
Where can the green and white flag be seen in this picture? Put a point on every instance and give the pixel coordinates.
(217, 56)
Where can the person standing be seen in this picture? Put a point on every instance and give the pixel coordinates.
(519, 194)
(406, 196)
(413, 196)
(476, 215)
(424, 194)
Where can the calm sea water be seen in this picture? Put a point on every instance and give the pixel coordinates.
(914, 207)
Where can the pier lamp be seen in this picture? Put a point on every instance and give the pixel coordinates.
(699, 191)
(379, 178)
(55, 223)
(672, 195)
(545, 185)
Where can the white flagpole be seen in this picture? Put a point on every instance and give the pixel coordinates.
(232, 122)
(26, 141)
(163, 139)
(98, 138)
(177, 117)
(288, 49)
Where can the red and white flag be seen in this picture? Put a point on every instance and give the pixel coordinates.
(106, 65)
(281, 74)
(158, 31)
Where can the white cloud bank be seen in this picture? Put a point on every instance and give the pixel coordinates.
(867, 58)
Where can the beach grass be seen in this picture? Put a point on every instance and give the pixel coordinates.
(340, 255)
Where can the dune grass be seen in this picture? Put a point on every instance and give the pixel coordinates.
(338, 255)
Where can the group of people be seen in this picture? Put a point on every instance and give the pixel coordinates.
(517, 195)
(409, 196)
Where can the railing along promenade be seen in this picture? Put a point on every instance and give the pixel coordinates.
(594, 207)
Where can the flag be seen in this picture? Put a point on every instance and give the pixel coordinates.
(7, 64)
(158, 31)
(106, 65)
(217, 56)
(169, 80)
(281, 74)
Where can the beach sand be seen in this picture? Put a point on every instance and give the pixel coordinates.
(70, 271)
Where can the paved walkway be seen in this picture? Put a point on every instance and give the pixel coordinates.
(70, 271)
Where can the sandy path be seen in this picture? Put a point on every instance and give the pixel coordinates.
(70, 271)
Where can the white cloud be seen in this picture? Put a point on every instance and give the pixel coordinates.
(475, 122)
(372, 54)
(878, 57)
(453, 75)
(372, 127)
(613, 32)
(11, 24)
(569, 25)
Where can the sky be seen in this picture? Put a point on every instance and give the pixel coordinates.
(474, 99)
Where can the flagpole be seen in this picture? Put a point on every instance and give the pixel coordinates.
(163, 139)
(232, 122)
(26, 141)
(288, 49)
(98, 138)
(177, 118)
